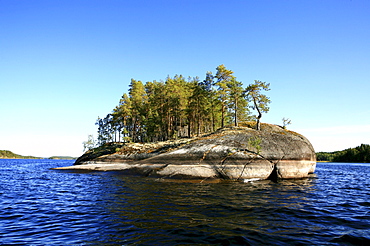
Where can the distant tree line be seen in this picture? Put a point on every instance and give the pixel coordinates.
(6, 154)
(359, 154)
(181, 107)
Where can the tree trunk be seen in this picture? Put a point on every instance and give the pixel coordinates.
(222, 115)
(213, 117)
(189, 127)
(258, 124)
(259, 115)
(235, 114)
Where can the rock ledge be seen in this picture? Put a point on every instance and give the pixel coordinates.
(232, 153)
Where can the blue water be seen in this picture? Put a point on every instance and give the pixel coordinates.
(47, 207)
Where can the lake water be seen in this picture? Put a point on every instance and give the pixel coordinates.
(47, 207)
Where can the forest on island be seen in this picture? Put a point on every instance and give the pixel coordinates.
(7, 154)
(181, 107)
(360, 154)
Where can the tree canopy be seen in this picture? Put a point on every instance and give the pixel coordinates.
(180, 107)
(358, 154)
(260, 101)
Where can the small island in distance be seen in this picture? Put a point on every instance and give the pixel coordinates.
(7, 154)
(359, 154)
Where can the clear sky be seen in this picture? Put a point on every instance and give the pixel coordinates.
(64, 63)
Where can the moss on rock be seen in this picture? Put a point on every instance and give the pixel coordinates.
(229, 153)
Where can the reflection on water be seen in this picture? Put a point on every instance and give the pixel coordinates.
(43, 206)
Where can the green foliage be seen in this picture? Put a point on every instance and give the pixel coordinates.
(6, 154)
(237, 102)
(176, 107)
(255, 142)
(105, 149)
(106, 129)
(199, 105)
(325, 156)
(89, 144)
(223, 79)
(286, 121)
(359, 154)
(260, 101)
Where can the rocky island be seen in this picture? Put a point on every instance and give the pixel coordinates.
(177, 109)
(230, 153)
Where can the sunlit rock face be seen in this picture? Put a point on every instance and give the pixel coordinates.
(235, 153)
(242, 153)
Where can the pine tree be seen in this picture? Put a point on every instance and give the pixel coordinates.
(138, 100)
(122, 116)
(214, 104)
(177, 94)
(260, 101)
(223, 76)
(157, 108)
(89, 144)
(198, 108)
(237, 102)
(105, 130)
(179, 107)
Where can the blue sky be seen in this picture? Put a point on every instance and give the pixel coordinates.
(64, 63)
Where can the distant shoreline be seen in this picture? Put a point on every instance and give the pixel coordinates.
(359, 154)
(36, 158)
(7, 154)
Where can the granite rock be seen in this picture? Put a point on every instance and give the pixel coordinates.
(231, 153)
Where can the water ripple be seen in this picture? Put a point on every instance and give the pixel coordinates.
(40, 206)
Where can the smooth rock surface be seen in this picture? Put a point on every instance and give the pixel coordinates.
(235, 153)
